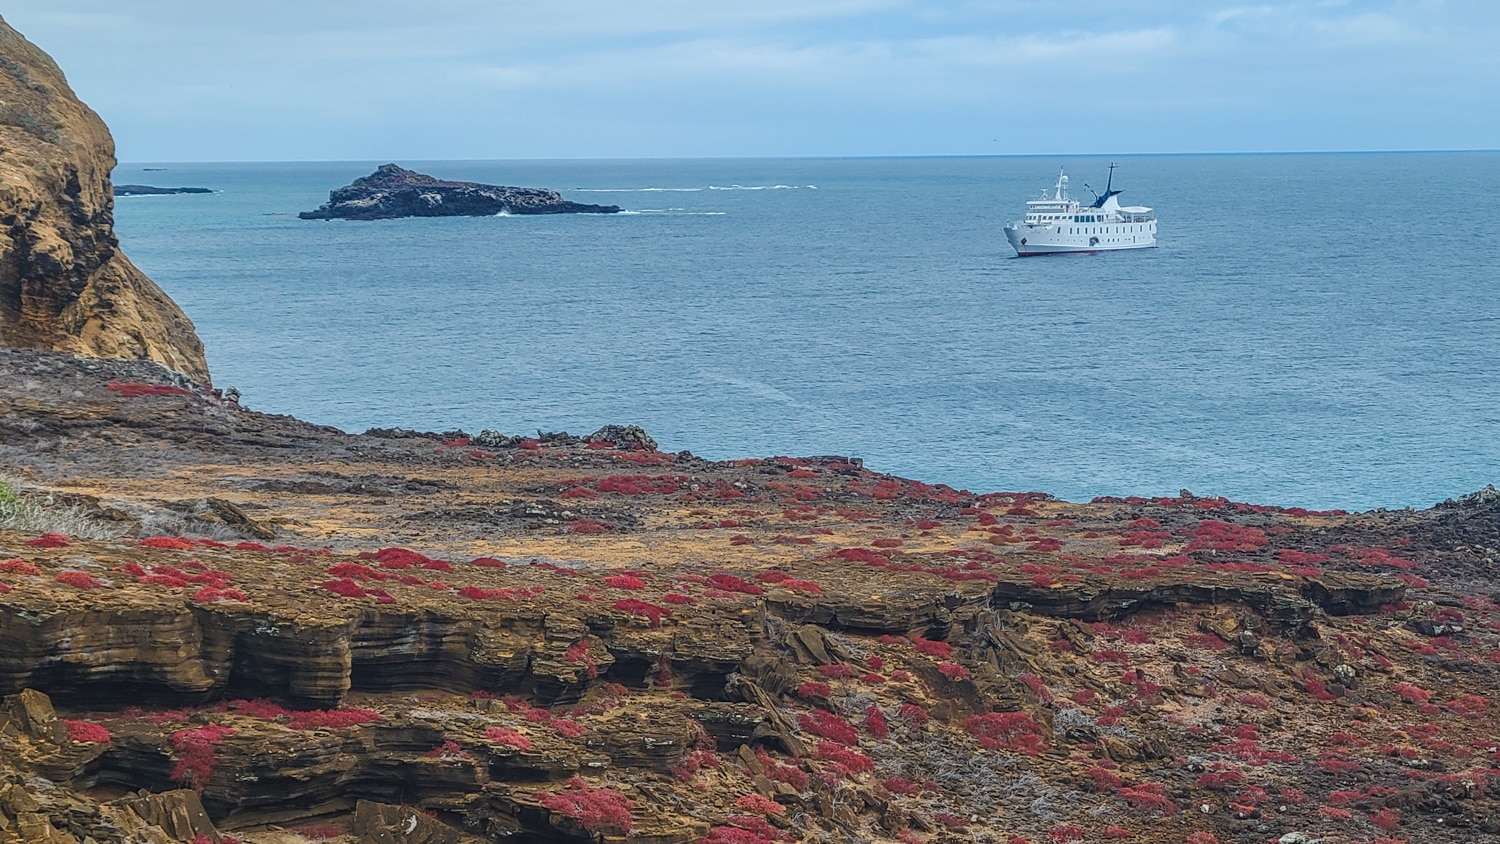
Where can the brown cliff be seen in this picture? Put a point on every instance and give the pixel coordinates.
(64, 284)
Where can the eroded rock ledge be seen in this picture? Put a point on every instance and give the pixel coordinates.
(393, 191)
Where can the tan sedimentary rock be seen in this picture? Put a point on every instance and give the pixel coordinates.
(64, 284)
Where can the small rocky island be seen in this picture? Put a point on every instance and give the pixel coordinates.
(151, 190)
(393, 191)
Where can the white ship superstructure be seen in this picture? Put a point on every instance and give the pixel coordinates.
(1059, 224)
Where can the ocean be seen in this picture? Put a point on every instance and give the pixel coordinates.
(1317, 330)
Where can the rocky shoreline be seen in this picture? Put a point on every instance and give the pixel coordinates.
(491, 628)
(391, 192)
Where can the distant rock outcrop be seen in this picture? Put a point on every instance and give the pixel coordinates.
(152, 190)
(393, 191)
(64, 284)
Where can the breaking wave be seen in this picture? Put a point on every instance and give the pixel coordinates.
(636, 190)
(694, 190)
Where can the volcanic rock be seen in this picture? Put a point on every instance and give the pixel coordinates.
(151, 190)
(393, 191)
(64, 284)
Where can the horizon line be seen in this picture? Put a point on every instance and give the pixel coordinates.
(815, 157)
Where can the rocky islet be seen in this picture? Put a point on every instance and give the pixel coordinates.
(392, 191)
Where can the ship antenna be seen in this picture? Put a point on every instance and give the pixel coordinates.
(1111, 179)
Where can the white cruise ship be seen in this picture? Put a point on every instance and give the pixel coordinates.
(1061, 224)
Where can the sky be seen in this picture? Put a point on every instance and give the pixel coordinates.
(302, 80)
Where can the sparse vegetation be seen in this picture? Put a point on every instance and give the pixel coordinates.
(28, 512)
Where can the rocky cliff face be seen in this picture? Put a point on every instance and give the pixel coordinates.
(64, 284)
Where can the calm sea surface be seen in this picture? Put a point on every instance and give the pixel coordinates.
(1314, 330)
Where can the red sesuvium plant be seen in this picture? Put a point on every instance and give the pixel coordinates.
(730, 583)
(19, 567)
(86, 732)
(345, 587)
(1015, 731)
(825, 724)
(1150, 796)
(625, 581)
(759, 805)
(932, 647)
(782, 772)
(597, 810)
(507, 738)
(78, 579)
(651, 612)
(836, 671)
(848, 760)
(195, 749)
(449, 751)
(588, 526)
(953, 671)
(579, 654)
(488, 593)
(814, 691)
(47, 540)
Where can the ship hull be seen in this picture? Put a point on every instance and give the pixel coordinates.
(1032, 241)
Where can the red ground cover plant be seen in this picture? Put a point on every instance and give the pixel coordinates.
(625, 581)
(49, 540)
(825, 724)
(652, 612)
(587, 526)
(595, 809)
(137, 389)
(346, 588)
(913, 714)
(78, 579)
(355, 571)
(759, 805)
(19, 567)
(1151, 796)
(195, 749)
(730, 583)
(86, 732)
(508, 738)
(953, 671)
(932, 647)
(1015, 731)
(488, 593)
(167, 543)
(814, 691)
(836, 671)
(847, 760)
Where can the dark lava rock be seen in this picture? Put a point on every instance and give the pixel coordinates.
(393, 191)
(149, 190)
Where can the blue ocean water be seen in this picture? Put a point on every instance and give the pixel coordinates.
(1314, 330)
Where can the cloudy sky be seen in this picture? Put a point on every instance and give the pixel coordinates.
(188, 80)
